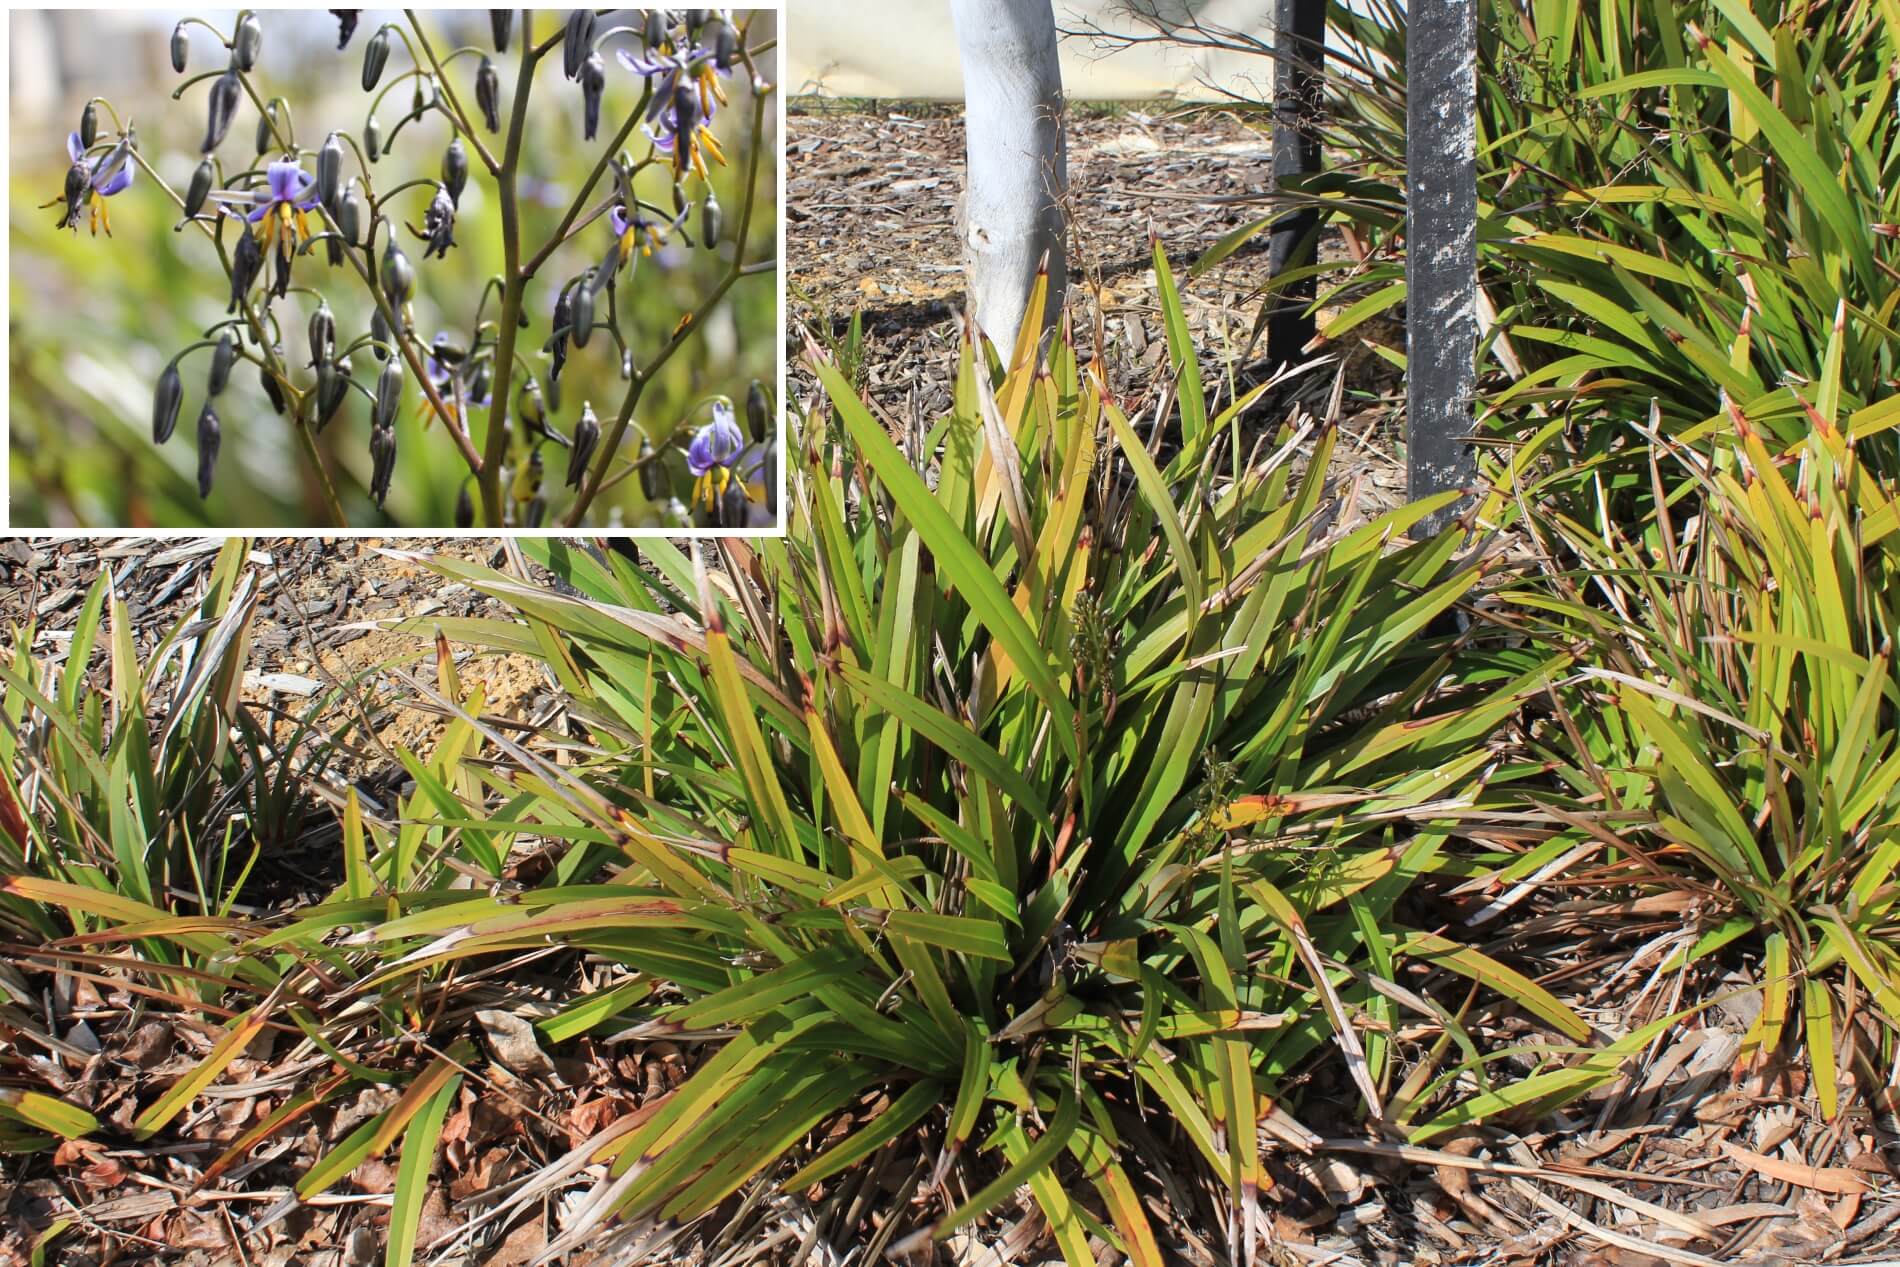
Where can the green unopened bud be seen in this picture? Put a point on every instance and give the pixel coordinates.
(388, 394)
(210, 435)
(578, 42)
(488, 93)
(222, 358)
(501, 22)
(581, 315)
(247, 42)
(593, 85)
(322, 333)
(586, 439)
(350, 212)
(710, 220)
(455, 170)
(331, 393)
(226, 91)
(652, 477)
(725, 46)
(382, 454)
(198, 190)
(653, 32)
(330, 171)
(380, 331)
(265, 136)
(399, 275)
(271, 390)
(373, 138)
(89, 124)
(758, 411)
(165, 402)
(375, 57)
(181, 44)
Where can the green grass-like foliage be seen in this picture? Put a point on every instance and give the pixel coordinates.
(1014, 806)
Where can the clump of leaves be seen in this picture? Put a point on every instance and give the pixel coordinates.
(1018, 811)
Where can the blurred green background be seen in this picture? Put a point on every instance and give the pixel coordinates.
(95, 319)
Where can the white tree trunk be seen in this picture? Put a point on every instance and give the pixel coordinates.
(1016, 169)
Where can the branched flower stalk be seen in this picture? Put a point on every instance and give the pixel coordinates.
(265, 220)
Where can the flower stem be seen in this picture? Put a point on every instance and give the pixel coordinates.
(514, 281)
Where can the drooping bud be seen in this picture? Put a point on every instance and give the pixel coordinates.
(266, 136)
(554, 399)
(399, 275)
(210, 434)
(725, 46)
(455, 170)
(222, 358)
(593, 84)
(181, 44)
(488, 92)
(165, 402)
(464, 508)
(733, 509)
(198, 190)
(350, 212)
(330, 171)
(388, 394)
(382, 455)
(578, 42)
(345, 26)
(375, 57)
(246, 261)
(652, 478)
(582, 307)
(501, 22)
(710, 220)
(332, 389)
(226, 91)
(89, 125)
(586, 439)
(653, 32)
(380, 331)
(322, 333)
(246, 43)
(373, 138)
(271, 389)
(758, 412)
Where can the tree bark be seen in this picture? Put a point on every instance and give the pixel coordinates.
(1016, 167)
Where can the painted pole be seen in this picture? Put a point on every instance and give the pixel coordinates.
(1299, 48)
(1016, 169)
(1441, 247)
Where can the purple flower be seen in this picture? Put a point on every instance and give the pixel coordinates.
(88, 185)
(278, 208)
(713, 454)
(679, 117)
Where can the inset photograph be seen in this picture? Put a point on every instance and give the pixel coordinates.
(387, 269)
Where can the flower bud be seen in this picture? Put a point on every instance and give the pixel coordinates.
(464, 508)
(578, 42)
(165, 402)
(652, 477)
(322, 333)
(733, 509)
(375, 57)
(181, 44)
(710, 220)
(330, 171)
(345, 26)
(222, 358)
(209, 436)
(247, 258)
(455, 170)
(554, 401)
(582, 307)
(399, 275)
(501, 22)
(226, 91)
(246, 43)
(653, 31)
(373, 138)
(350, 212)
(586, 440)
(271, 389)
(593, 84)
(725, 46)
(266, 133)
(333, 388)
(89, 124)
(199, 190)
(488, 92)
(388, 394)
(758, 412)
(382, 454)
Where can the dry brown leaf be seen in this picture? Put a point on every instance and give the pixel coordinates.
(1835, 1179)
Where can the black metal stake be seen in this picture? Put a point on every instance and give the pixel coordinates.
(1299, 48)
(1441, 247)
